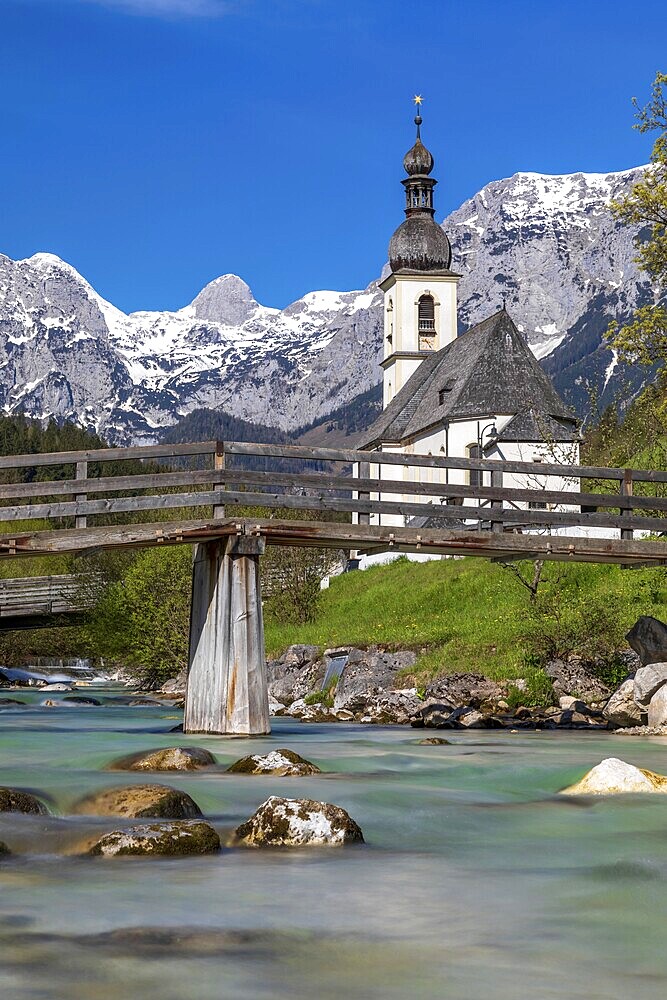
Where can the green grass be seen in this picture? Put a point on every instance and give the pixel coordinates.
(472, 615)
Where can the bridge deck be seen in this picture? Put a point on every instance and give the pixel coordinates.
(89, 511)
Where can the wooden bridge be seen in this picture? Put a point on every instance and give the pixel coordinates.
(410, 499)
(29, 602)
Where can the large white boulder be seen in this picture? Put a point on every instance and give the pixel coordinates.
(622, 709)
(616, 777)
(657, 709)
(648, 680)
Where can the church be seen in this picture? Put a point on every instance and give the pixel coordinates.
(475, 394)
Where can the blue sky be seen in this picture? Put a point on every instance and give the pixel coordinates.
(156, 144)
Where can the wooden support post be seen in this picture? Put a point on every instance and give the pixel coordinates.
(81, 521)
(219, 463)
(626, 491)
(496, 481)
(365, 473)
(227, 686)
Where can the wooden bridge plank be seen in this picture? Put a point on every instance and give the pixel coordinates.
(435, 461)
(331, 504)
(334, 535)
(345, 455)
(150, 451)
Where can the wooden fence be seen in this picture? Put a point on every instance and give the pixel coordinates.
(96, 510)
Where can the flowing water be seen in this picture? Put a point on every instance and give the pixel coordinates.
(476, 879)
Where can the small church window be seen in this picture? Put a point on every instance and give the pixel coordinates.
(426, 314)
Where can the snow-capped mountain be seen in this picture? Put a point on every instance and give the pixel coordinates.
(549, 245)
(65, 351)
(546, 243)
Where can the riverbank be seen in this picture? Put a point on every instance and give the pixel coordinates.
(473, 616)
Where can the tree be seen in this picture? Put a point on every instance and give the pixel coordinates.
(142, 615)
(645, 338)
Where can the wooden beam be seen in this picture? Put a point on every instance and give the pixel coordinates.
(288, 501)
(334, 535)
(439, 461)
(151, 451)
(227, 684)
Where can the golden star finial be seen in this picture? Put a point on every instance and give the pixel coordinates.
(418, 99)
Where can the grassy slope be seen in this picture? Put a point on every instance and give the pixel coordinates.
(469, 614)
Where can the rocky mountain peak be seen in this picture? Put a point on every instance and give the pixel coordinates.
(227, 300)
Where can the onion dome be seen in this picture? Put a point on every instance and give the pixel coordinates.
(419, 243)
(418, 160)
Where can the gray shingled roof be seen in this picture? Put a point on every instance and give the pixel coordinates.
(490, 369)
(532, 425)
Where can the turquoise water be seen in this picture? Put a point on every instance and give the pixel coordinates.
(476, 880)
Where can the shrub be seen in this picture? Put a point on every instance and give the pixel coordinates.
(562, 623)
(538, 691)
(324, 697)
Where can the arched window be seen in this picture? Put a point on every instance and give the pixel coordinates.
(475, 476)
(426, 314)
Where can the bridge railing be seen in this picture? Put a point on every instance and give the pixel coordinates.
(168, 486)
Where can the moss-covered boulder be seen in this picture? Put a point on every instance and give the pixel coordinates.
(616, 777)
(279, 763)
(433, 741)
(138, 801)
(283, 822)
(159, 840)
(167, 759)
(15, 801)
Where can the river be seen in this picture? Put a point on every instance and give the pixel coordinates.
(476, 879)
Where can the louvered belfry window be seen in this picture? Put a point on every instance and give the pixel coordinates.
(426, 314)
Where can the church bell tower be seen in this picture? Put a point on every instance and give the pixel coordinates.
(420, 292)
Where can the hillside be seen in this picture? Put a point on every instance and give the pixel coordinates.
(471, 615)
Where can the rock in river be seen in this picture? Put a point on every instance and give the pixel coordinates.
(279, 763)
(616, 777)
(137, 801)
(298, 823)
(159, 839)
(167, 759)
(433, 741)
(16, 801)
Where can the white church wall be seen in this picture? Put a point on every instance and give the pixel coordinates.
(456, 441)
(402, 293)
